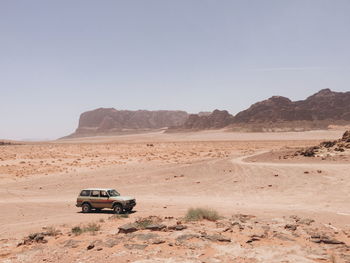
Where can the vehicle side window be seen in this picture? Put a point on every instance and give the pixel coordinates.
(95, 193)
(85, 193)
(103, 194)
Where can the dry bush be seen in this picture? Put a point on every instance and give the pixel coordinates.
(196, 214)
(92, 227)
(51, 231)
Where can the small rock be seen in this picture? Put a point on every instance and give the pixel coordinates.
(306, 221)
(155, 227)
(91, 246)
(111, 242)
(72, 243)
(158, 241)
(135, 246)
(218, 238)
(128, 228)
(177, 227)
(291, 227)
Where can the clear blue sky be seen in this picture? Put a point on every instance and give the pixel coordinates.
(61, 58)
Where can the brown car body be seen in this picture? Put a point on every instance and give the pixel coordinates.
(100, 198)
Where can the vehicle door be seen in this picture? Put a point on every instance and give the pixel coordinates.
(105, 200)
(94, 198)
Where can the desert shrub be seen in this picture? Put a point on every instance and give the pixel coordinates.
(92, 227)
(118, 216)
(195, 214)
(77, 230)
(51, 231)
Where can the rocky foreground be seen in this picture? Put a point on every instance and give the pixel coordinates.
(328, 148)
(240, 238)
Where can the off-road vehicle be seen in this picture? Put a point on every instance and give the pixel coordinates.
(99, 198)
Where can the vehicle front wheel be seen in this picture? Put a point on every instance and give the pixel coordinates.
(86, 208)
(118, 209)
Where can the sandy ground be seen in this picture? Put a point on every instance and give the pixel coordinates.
(169, 173)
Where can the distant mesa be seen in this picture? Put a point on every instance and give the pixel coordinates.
(107, 121)
(277, 113)
(215, 120)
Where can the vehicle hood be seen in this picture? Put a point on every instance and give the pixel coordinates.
(122, 198)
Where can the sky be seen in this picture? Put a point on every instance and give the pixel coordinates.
(60, 58)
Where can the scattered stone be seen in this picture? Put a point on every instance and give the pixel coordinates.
(291, 227)
(72, 243)
(283, 237)
(155, 227)
(158, 241)
(36, 237)
(111, 242)
(146, 237)
(91, 246)
(325, 239)
(136, 246)
(253, 238)
(177, 227)
(296, 218)
(128, 228)
(306, 221)
(217, 237)
(185, 237)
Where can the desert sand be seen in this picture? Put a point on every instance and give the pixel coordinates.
(168, 174)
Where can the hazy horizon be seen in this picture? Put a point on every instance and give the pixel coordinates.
(61, 58)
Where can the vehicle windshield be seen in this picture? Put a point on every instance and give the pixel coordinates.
(113, 193)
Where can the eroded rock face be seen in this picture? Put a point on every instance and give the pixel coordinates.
(324, 105)
(317, 111)
(216, 120)
(346, 136)
(104, 120)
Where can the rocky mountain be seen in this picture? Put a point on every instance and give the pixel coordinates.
(109, 120)
(277, 113)
(325, 105)
(215, 120)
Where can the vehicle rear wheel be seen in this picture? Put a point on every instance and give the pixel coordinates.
(86, 208)
(118, 209)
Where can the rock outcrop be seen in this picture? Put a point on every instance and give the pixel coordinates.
(109, 120)
(322, 106)
(216, 120)
(328, 148)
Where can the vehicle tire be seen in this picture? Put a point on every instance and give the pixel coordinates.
(86, 208)
(118, 209)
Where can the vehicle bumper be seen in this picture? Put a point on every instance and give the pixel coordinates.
(130, 205)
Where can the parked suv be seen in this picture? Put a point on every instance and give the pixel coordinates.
(99, 198)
